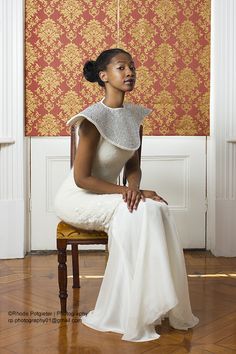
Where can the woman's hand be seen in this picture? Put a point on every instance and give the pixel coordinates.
(153, 195)
(132, 197)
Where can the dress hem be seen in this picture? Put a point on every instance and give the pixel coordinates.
(119, 332)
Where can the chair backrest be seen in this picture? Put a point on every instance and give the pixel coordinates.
(73, 132)
(73, 143)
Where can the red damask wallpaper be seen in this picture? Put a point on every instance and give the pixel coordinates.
(170, 43)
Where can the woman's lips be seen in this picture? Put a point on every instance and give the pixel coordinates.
(130, 81)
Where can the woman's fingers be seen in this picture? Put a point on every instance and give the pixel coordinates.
(159, 199)
(124, 196)
(142, 196)
(137, 200)
(132, 198)
(128, 198)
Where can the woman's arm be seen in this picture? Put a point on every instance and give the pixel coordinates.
(133, 171)
(133, 195)
(88, 142)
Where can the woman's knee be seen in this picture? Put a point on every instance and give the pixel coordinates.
(150, 204)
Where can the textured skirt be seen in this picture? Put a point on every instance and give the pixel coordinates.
(145, 278)
(83, 209)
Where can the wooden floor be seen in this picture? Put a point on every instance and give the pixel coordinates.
(30, 324)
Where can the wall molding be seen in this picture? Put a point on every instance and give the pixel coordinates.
(6, 140)
(50, 181)
(222, 155)
(173, 158)
(13, 147)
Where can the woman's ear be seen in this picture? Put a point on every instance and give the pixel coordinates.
(103, 76)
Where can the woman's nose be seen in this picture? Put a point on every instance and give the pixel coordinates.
(129, 72)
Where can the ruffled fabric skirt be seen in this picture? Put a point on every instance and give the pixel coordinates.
(145, 277)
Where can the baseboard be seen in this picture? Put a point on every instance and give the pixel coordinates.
(12, 240)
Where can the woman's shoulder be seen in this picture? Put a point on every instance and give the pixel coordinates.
(85, 113)
(120, 126)
(99, 111)
(137, 109)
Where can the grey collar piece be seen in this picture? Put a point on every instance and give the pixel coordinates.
(120, 126)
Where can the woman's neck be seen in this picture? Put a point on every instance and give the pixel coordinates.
(114, 101)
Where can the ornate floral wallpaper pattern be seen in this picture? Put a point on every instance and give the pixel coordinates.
(170, 43)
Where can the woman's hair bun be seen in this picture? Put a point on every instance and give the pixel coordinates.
(90, 71)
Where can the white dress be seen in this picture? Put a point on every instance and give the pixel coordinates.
(145, 277)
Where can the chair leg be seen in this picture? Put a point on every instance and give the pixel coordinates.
(106, 252)
(75, 266)
(62, 273)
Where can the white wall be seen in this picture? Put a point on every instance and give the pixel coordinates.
(223, 115)
(12, 142)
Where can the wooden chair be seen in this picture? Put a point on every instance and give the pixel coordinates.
(69, 235)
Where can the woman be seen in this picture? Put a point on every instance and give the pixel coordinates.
(145, 277)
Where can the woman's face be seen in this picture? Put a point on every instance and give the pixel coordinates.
(120, 73)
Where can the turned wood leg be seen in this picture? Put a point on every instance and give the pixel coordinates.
(62, 273)
(106, 252)
(75, 266)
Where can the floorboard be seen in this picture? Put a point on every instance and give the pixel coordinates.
(31, 323)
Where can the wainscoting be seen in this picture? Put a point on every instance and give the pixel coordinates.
(173, 166)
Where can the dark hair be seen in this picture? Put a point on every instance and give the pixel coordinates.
(93, 67)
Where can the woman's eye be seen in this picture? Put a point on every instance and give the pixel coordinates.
(131, 68)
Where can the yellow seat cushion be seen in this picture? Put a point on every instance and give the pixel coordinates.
(66, 231)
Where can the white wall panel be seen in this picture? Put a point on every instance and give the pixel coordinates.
(57, 168)
(175, 167)
(170, 174)
(12, 142)
(49, 167)
(224, 115)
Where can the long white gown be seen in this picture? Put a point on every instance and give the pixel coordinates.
(145, 277)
